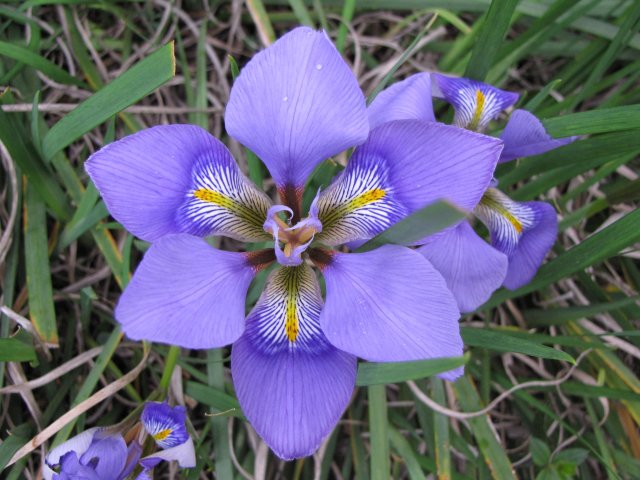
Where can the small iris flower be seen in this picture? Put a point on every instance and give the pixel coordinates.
(102, 453)
(166, 425)
(294, 357)
(521, 232)
(95, 454)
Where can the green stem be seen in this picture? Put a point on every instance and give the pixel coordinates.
(169, 366)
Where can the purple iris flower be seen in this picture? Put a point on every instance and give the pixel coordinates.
(521, 232)
(103, 454)
(294, 357)
(95, 454)
(167, 427)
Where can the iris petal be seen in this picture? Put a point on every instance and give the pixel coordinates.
(108, 456)
(405, 165)
(177, 179)
(389, 305)
(525, 136)
(292, 384)
(524, 231)
(184, 454)
(186, 293)
(295, 104)
(475, 103)
(409, 99)
(78, 444)
(472, 268)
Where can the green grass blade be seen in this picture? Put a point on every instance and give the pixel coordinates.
(51, 70)
(14, 350)
(426, 221)
(128, 88)
(24, 155)
(490, 38)
(380, 465)
(503, 342)
(493, 452)
(370, 373)
(594, 121)
(41, 306)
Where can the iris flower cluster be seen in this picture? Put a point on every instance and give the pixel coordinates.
(294, 357)
(104, 453)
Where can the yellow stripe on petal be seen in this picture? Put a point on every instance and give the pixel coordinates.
(162, 434)
(477, 114)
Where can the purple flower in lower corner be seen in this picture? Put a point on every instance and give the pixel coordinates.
(95, 454)
(102, 453)
(294, 357)
(521, 233)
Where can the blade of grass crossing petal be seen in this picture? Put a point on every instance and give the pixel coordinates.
(490, 38)
(503, 342)
(441, 432)
(219, 430)
(484, 432)
(91, 381)
(378, 424)
(405, 450)
(348, 9)
(36, 251)
(598, 247)
(136, 83)
(426, 221)
(370, 373)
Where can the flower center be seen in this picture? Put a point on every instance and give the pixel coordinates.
(295, 239)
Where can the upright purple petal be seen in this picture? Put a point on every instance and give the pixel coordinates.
(472, 268)
(186, 293)
(475, 103)
(389, 305)
(177, 179)
(165, 424)
(360, 203)
(405, 165)
(291, 383)
(524, 231)
(108, 457)
(409, 99)
(533, 246)
(525, 136)
(295, 104)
